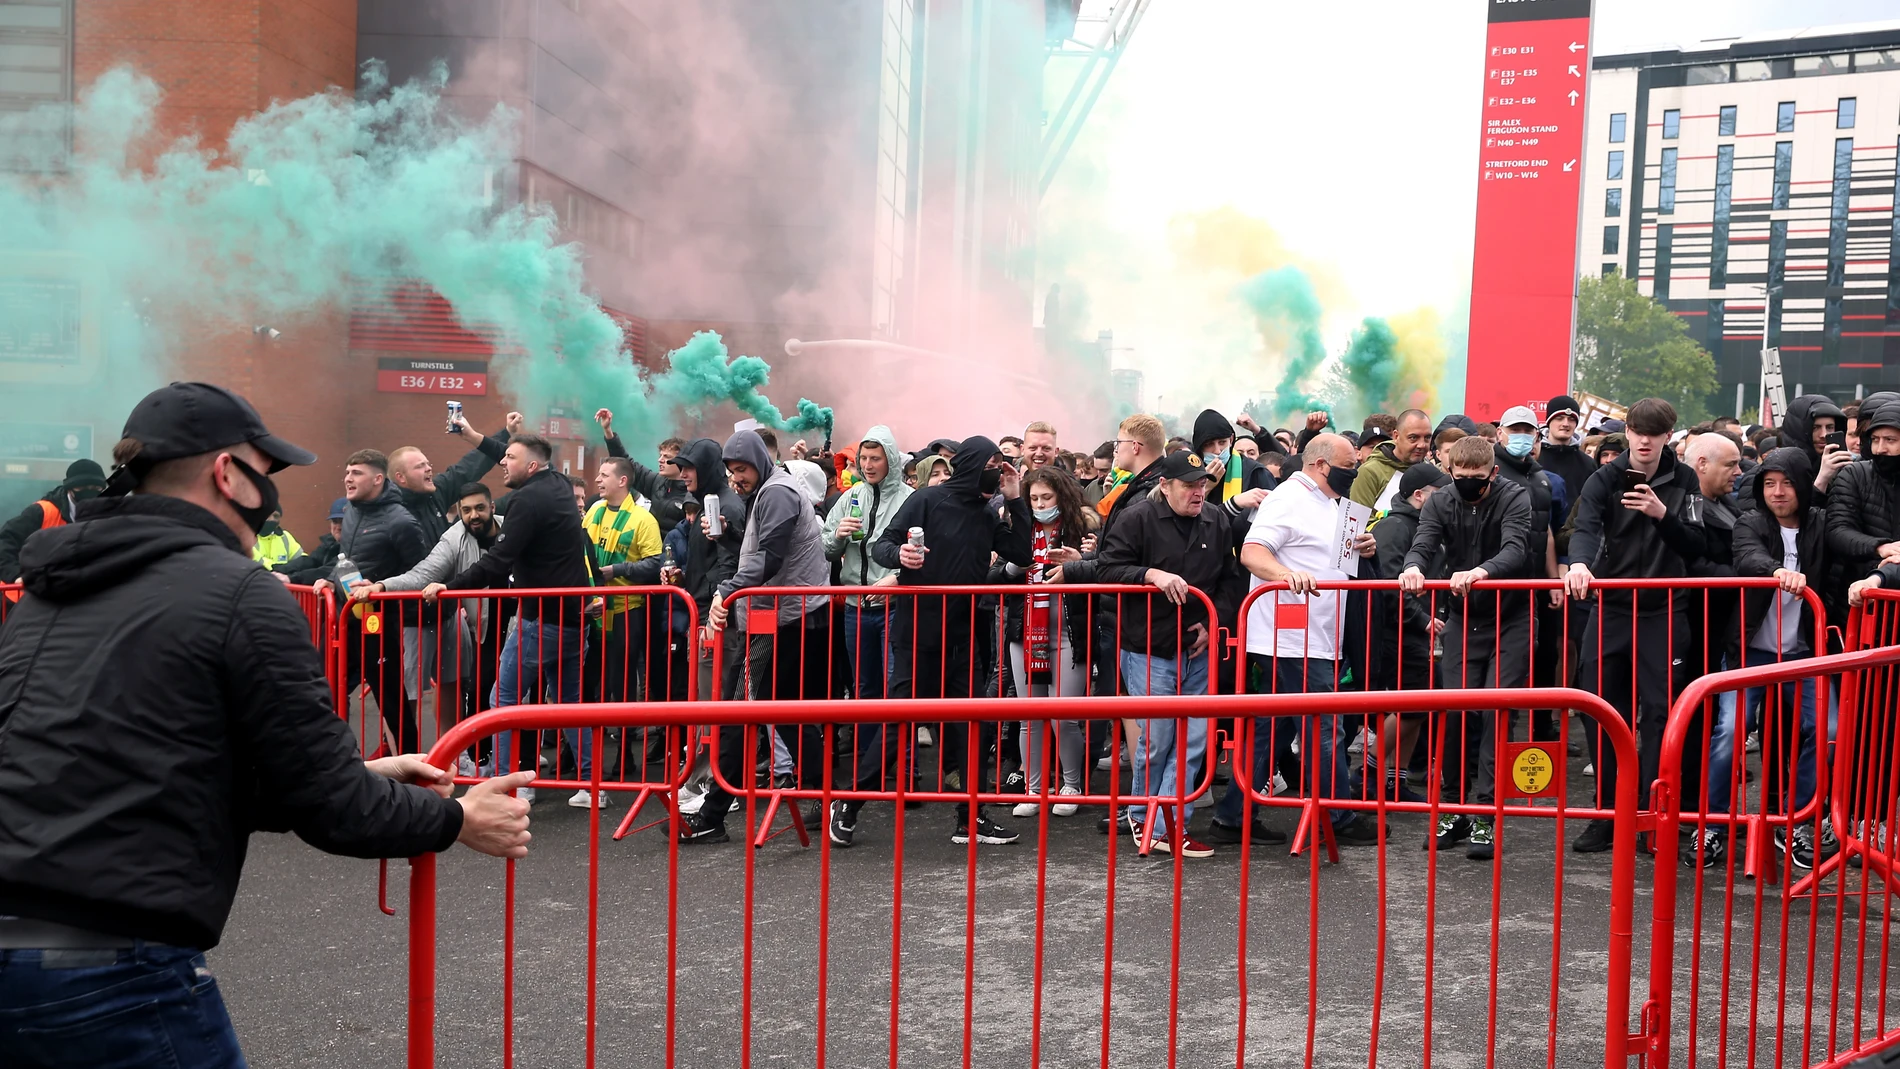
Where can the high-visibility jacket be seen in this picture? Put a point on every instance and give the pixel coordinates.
(272, 550)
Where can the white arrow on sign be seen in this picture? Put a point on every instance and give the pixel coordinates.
(1575, 71)
(1575, 47)
(1571, 166)
(1573, 98)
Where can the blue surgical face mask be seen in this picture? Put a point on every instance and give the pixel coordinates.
(1048, 515)
(1519, 445)
(1216, 460)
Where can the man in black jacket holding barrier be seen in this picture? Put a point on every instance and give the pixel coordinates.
(542, 547)
(1638, 517)
(1483, 529)
(932, 639)
(127, 797)
(381, 539)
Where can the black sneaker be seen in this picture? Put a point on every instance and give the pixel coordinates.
(1799, 845)
(1453, 828)
(986, 832)
(841, 832)
(1229, 835)
(1481, 845)
(1358, 831)
(1706, 848)
(1829, 844)
(696, 829)
(785, 781)
(1015, 783)
(814, 816)
(1598, 836)
(1397, 790)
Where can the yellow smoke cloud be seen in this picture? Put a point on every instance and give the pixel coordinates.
(1419, 340)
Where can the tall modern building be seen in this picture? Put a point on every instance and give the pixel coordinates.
(1749, 184)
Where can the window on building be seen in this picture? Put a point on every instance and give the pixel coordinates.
(1609, 269)
(1672, 123)
(1886, 59)
(1615, 169)
(1725, 122)
(1613, 203)
(1612, 240)
(1784, 117)
(1784, 168)
(1815, 66)
(36, 48)
(1844, 114)
(1617, 121)
(1665, 261)
(1753, 70)
(1709, 74)
(1666, 185)
(1724, 199)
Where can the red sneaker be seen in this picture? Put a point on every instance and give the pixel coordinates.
(1190, 847)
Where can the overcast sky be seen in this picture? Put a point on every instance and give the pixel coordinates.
(1350, 128)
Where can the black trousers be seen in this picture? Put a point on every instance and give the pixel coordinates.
(377, 659)
(1480, 654)
(1639, 669)
(949, 670)
(791, 663)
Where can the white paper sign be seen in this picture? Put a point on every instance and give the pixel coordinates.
(1353, 520)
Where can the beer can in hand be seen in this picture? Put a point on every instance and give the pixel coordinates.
(715, 523)
(917, 537)
(455, 413)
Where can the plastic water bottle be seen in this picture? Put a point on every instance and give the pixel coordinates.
(346, 575)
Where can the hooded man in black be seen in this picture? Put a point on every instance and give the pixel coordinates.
(1863, 509)
(1809, 420)
(933, 639)
(1484, 530)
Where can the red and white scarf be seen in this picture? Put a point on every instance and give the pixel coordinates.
(1038, 647)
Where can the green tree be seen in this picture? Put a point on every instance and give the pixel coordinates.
(1629, 346)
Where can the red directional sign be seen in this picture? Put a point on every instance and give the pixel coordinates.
(1524, 262)
(468, 378)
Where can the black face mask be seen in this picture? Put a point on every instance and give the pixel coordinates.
(990, 481)
(1471, 487)
(1341, 479)
(86, 493)
(1887, 467)
(255, 517)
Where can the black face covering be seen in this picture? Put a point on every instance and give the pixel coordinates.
(1471, 487)
(257, 516)
(1341, 479)
(1887, 467)
(990, 481)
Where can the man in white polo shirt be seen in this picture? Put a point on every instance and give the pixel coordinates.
(1294, 636)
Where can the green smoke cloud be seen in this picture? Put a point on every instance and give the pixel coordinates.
(310, 200)
(1371, 363)
(699, 374)
(1289, 313)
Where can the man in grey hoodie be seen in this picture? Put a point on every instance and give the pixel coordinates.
(787, 656)
(857, 520)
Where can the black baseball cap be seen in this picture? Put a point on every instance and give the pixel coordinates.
(1185, 465)
(1419, 476)
(189, 418)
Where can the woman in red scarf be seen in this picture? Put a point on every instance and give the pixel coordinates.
(1048, 633)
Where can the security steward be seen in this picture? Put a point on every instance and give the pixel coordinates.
(160, 700)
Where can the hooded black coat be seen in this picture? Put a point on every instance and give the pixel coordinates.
(160, 700)
(1797, 432)
(960, 533)
(1758, 548)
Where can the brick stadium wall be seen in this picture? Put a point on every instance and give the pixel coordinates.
(217, 61)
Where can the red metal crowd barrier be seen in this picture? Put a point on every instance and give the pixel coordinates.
(1792, 966)
(1213, 930)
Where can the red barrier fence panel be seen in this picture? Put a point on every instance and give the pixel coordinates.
(319, 608)
(1791, 967)
(400, 659)
(1003, 640)
(885, 946)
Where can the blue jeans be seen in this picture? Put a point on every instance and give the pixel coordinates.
(1721, 763)
(863, 641)
(113, 1009)
(1323, 766)
(1159, 746)
(537, 658)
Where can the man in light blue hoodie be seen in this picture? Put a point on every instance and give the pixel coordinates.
(858, 518)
